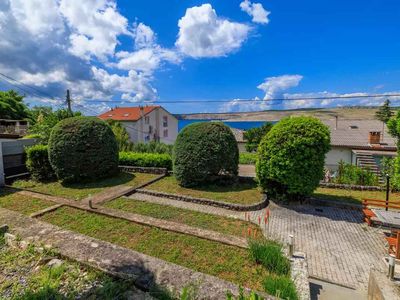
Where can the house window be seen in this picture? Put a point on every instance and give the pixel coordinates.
(165, 133)
(147, 138)
(150, 129)
(165, 121)
(147, 120)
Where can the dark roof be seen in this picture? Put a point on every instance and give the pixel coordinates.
(354, 133)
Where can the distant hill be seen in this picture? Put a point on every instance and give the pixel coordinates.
(347, 113)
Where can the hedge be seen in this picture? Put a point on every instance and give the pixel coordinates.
(83, 149)
(145, 160)
(291, 157)
(37, 163)
(203, 151)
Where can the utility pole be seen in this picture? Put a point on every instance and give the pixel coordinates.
(69, 103)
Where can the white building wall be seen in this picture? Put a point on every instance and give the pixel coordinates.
(335, 155)
(139, 130)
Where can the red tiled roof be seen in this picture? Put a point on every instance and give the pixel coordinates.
(126, 113)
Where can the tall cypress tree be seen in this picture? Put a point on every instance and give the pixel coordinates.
(385, 112)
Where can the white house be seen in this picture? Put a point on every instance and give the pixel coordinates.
(145, 123)
(359, 142)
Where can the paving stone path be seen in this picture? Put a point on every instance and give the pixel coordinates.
(339, 247)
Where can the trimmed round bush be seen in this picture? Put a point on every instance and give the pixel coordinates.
(291, 157)
(83, 149)
(203, 151)
(37, 163)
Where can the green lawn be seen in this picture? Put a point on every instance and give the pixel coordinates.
(238, 193)
(227, 262)
(352, 196)
(196, 219)
(78, 191)
(23, 204)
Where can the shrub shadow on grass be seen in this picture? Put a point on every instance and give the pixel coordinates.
(347, 199)
(120, 178)
(226, 187)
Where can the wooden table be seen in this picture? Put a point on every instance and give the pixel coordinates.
(388, 218)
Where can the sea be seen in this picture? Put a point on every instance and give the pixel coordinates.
(243, 125)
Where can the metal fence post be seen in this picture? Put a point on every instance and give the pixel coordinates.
(2, 175)
(387, 190)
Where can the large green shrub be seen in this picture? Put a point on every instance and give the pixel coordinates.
(145, 160)
(37, 163)
(291, 157)
(203, 151)
(83, 149)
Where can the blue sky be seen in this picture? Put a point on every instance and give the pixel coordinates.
(137, 51)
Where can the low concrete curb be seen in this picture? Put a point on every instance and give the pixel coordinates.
(150, 170)
(204, 201)
(351, 186)
(147, 272)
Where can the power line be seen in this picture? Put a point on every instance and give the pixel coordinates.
(251, 100)
(36, 91)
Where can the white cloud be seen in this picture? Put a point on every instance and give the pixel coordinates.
(255, 10)
(95, 25)
(301, 100)
(134, 87)
(203, 34)
(149, 56)
(272, 86)
(144, 36)
(55, 44)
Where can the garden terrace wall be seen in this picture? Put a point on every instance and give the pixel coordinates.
(230, 206)
(118, 261)
(149, 170)
(351, 187)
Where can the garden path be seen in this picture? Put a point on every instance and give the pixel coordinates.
(339, 247)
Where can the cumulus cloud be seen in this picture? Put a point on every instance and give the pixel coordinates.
(256, 11)
(272, 86)
(148, 56)
(95, 26)
(202, 33)
(59, 44)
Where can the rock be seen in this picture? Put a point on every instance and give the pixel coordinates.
(55, 263)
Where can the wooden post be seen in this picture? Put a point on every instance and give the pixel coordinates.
(2, 175)
(387, 191)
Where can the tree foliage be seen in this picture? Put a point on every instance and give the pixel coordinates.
(385, 112)
(121, 135)
(394, 129)
(12, 106)
(83, 149)
(204, 151)
(43, 119)
(253, 136)
(291, 157)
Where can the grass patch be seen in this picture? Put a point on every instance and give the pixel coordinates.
(247, 158)
(239, 193)
(23, 204)
(227, 262)
(269, 254)
(28, 279)
(196, 219)
(352, 196)
(78, 191)
(280, 286)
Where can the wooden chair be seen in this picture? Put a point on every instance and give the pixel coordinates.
(369, 214)
(394, 245)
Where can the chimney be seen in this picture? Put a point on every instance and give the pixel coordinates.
(141, 109)
(374, 138)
